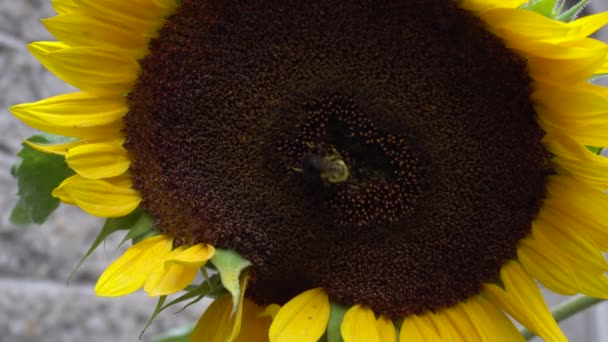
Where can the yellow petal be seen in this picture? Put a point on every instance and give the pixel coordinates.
(194, 256)
(60, 149)
(94, 69)
(569, 69)
(386, 329)
(142, 16)
(129, 272)
(583, 58)
(302, 319)
(271, 311)
(522, 299)
(483, 5)
(585, 170)
(180, 268)
(567, 103)
(254, 325)
(104, 198)
(63, 6)
(538, 265)
(140, 11)
(175, 275)
(165, 5)
(75, 110)
(491, 324)
(218, 324)
(461, 323)
(81, 115)
(576, 160)
(418, 329)
(557, 273)
(572, 51)
(574, 200)
(579, 195)
(171, 277)
(575, 247)
(444, 327)
(359, 325)
(76, 29)
(577, 111)
(603, 69)
(515, 24)
(99, 160)
(589, 24)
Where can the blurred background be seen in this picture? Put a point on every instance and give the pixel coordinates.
(35, 262)
(36, 304)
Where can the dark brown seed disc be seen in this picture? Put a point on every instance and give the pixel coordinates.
(386, 151)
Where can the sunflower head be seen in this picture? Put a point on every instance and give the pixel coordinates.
(345, 166)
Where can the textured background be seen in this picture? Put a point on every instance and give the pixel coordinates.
(35, 262)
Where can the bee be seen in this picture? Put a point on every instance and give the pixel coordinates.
(330, 168)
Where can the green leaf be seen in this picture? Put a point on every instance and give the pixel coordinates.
(230, 264)
(181, 334)
(110, 226)
(573, 12)
(548, 8)
(37, 174)
(336, 315)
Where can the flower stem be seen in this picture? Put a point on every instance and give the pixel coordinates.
(567, 309)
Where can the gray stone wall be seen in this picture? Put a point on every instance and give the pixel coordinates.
(35, 262)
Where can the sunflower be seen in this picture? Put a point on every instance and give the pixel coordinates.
(338, 170)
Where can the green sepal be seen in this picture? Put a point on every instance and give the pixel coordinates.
(573, 12)
(336, 315)
(398, 325)
(216, 289)
(230, 265)
(211, 287)
(112, 225)
(198, 292)
(547, 8)
(140, 230)
(142, 237)
(595, 150)
(37, 174)
(157, 310)
(180, 334)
